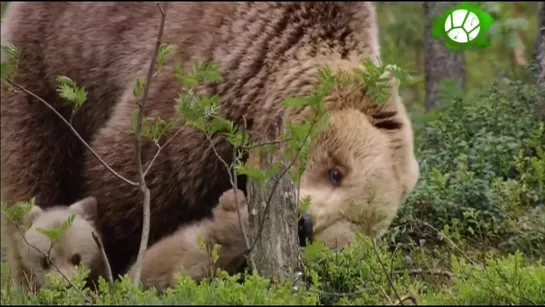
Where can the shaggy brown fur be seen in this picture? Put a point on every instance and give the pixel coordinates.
(180, 252)
(267, 51)
(75, 247)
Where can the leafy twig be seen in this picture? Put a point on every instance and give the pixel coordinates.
(234, 184)
(138, 153)
(49, 106)
(247, 241)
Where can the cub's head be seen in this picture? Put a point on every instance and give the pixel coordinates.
(361, 167)
(75, 247)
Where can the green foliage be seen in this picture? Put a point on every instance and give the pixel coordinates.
(17, 212)
(55, 234)
(361, 274)
(505, 281)
(377, 80)
(9, 67)
(164, 51)
(482, 178)
(71, 92)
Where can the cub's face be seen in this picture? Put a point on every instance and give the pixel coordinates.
(359, 173)
(75, 247)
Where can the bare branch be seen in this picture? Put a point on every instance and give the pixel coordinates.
(244, 233)
(234, 184)
(138, 153)
(256, 145)
(159, 151)
(161, 9)
(109, 275)
(49, 106)
(424, 272)
(412, 297)
(390, 281)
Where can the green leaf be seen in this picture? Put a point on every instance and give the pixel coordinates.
(292, 102)
(164, 51)
(69, 90)
(139, 87)
(250, 171)
(4, 70)
(54, 235)
(18, 211)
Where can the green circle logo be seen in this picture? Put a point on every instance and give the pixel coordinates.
(463, 26)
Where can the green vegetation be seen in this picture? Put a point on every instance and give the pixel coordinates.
(473, 230)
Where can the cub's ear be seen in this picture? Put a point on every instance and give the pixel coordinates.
(32, 215)
(85, 208)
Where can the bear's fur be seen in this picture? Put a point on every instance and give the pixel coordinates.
(75, 247)
(181, 251)
(266, 51)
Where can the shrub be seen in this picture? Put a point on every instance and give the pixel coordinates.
(482, 162)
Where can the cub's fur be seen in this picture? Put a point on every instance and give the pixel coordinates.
(75, 247)
(267, 51)
(181, 252)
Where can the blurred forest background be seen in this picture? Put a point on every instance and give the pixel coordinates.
(473, 231)
(511, 56)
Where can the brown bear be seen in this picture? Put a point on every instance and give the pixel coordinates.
(181, 251)
(76, 246)
(266, 51)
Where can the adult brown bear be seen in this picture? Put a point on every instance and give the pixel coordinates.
(266, 51)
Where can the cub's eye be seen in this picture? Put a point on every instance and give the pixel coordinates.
(76, 259)
(46, 263)
(335, 176)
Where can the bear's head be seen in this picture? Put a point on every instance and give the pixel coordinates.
(75, 247)
(362, 166)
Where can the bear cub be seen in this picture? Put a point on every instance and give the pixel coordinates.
(182, 252)
(39, 257)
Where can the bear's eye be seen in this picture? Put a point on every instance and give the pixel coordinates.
(335, 176)
(76, 259)
(46, 263)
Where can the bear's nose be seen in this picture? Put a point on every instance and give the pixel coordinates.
(305, 230)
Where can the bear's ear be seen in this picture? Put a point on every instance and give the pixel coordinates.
(85, 208)
(32, 215)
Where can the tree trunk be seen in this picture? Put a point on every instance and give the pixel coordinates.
(439, 62)
(276, 254)
(540, 44)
